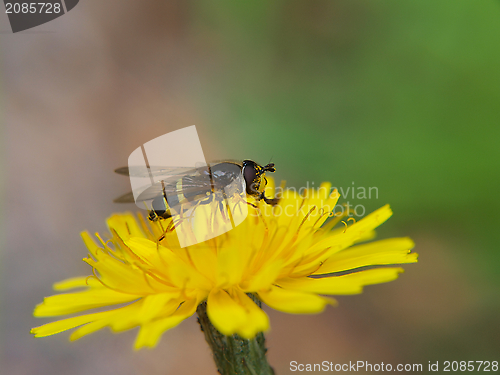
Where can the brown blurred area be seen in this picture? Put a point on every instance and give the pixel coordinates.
(83, 91)
(80, 94)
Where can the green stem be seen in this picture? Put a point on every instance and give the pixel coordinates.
(234, 355)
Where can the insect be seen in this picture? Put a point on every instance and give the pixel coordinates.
(177, 189)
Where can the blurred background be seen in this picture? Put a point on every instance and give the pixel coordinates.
(399, 95)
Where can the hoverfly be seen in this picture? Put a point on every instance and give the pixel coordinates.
(176, 189)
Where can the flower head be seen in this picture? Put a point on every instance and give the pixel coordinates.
(289, 256)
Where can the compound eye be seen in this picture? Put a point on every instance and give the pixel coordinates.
(250, 175)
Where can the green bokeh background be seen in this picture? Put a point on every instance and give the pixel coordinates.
(403, 96)
(342, 96)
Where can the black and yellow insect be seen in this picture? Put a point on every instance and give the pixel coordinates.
(181, 187)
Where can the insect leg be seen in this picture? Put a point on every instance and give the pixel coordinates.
(227, 208)
(167, 212)
(259, 213)
(271, 201)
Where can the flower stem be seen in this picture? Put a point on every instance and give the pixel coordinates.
(232, 354)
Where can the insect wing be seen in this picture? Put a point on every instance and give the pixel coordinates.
(125, 198)
(185, 187)
(138, 171)
(150, 182)
(223, 210)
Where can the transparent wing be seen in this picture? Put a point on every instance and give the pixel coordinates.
(156, 171)
(194, 181)
(165, 178)
(190, 186)
(125, 198)
(137, 171)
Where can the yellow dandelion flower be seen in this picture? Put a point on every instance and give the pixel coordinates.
(286, 256)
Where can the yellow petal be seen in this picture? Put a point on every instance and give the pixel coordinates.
(65, 324)
(180, 273)
(263, 277)
(204, 260)
(118, 275)
(256, 319)
(384, 252)
(150, 333)
(156, 303)
(347, 284)
(90, 243)
(141, 312)
(125, 225)
(336, 242)
(355, 231)
(231, 263)
(236, 313)
(77, 282)
(224, 312)
(75, 302)
(126, 316)
(294, 302)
